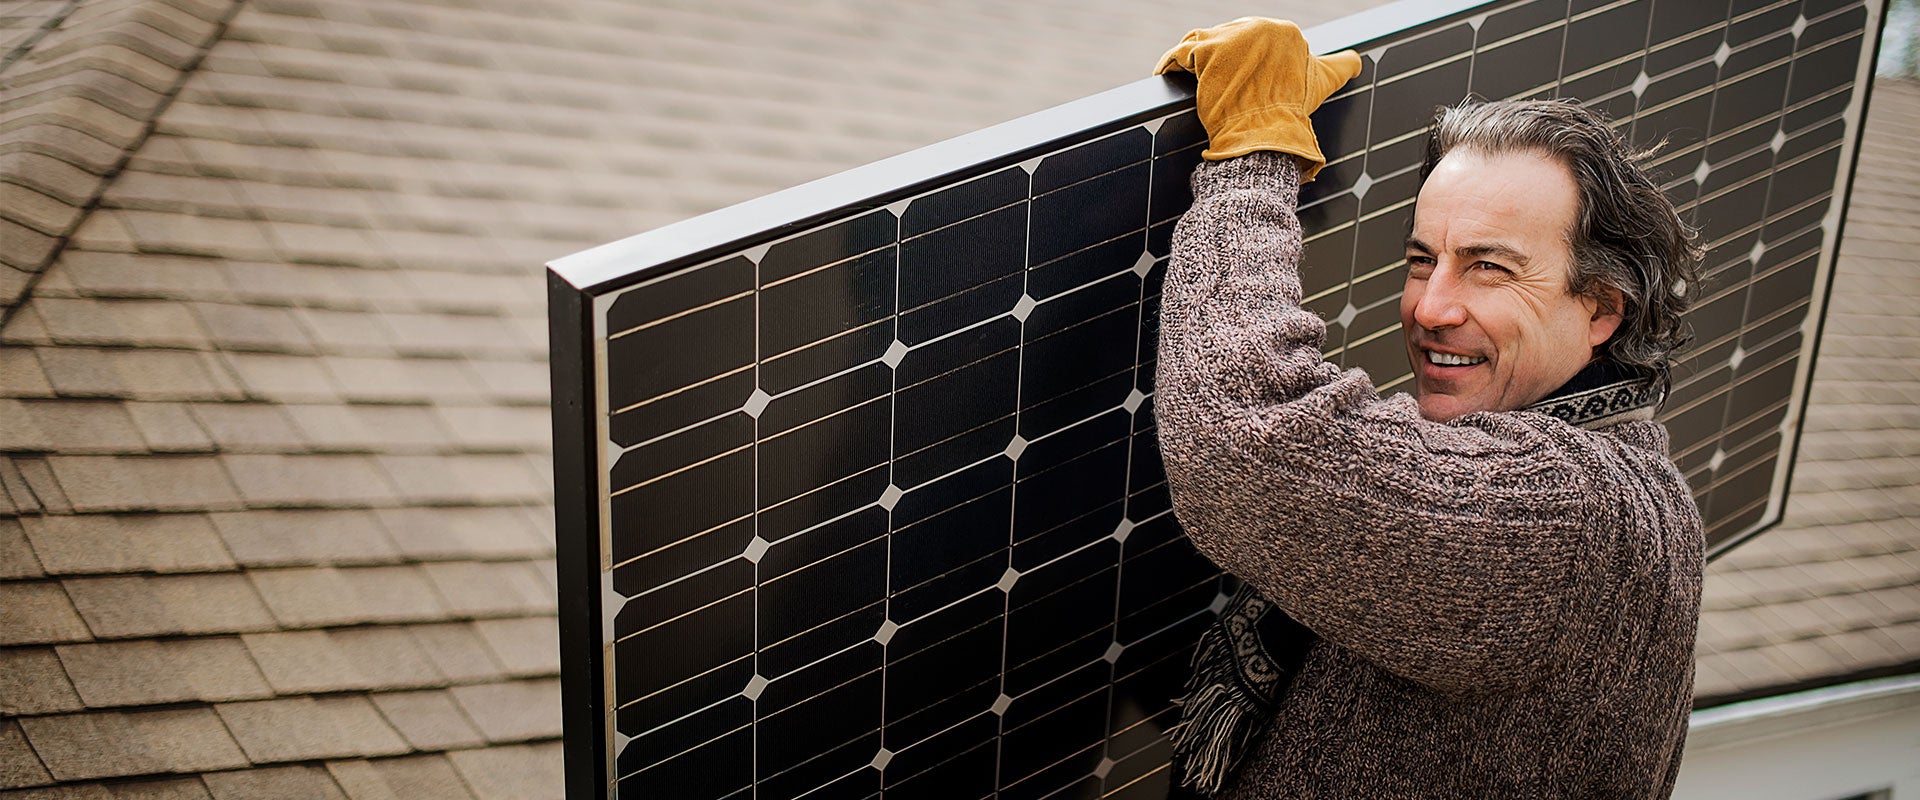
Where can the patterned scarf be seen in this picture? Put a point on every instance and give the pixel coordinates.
(1247, 658)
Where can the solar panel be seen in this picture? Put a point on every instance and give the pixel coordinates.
(857, 485)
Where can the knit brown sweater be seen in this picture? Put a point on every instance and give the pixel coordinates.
(1506, 603)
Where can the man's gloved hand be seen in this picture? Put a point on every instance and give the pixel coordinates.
(1258, 82)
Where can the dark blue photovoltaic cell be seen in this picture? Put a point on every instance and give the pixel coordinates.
(885, 511)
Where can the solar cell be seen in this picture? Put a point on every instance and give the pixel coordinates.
(857, 483)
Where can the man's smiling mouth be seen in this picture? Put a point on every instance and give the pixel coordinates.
(1438, 358)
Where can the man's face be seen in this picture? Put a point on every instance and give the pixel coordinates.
(1489, 320)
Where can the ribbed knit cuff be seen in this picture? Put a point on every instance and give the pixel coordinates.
(1261, 170)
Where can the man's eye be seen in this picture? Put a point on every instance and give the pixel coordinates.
(1492, 267)
(1420, 265)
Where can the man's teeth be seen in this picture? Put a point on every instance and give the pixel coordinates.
(1451, 360)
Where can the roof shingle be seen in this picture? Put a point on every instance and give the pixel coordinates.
(422, 777)
(514, 772)
(310, 480)
(119, 543)
(458, 651)
(128, 275)
(66, 427)
(36, 481)
(19, 494)
(429, 720)
(273, 783)
(113, 744)
(490, 589)
(143, 483)
(38, 612)
(526, 646)
(308, 728)
(302, 662)
(324, 596)
(145, 672)
(146, 374)
(512, 712)
(21, 375)
(16, 555)
(277, 537)
(283, 378)
(135, 606)
(247, 427)
(32, 681)
(119, 323)
(369, 428)
(18, 764)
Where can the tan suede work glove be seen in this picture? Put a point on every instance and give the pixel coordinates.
(1258, 83)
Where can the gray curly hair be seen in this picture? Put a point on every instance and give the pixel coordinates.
(1628, 235)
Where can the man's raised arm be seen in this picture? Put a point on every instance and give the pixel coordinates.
(1444, 553)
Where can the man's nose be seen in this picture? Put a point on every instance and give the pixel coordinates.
(1441, 303)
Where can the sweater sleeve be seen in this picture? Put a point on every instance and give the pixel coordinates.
(1442, 552)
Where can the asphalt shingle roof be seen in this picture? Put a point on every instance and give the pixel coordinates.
(274, 491)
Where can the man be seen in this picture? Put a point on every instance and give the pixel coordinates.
(1501, 577)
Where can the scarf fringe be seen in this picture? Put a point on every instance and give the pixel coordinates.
(1217, 726)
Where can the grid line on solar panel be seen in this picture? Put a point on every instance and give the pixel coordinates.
(1683, 449)
(1789, 337)
(1739, 459)
(1736, 259)
(788, 710)
(1365, 338)
(1155, 611)
(1724, 462)
(928, 739)
(1691, 148)
(1690, 404)
(1164, 652)
(1787, 263)
(682, 615)
(1723, 290)
(688, 387)
(1765, 176)
(683, 540)
(709, 672)
(697, 746)
(1740, 516)
(656, 478)
(1798, 133)
(1738, 486)
(676, 316)
(967, 701)
(1732, 453)
(1719, 441)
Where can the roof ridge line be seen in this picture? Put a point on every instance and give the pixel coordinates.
(93, 103)
(53, 21)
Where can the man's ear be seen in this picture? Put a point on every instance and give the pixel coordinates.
(1606, 316)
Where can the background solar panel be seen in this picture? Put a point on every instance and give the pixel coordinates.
(865, 471)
